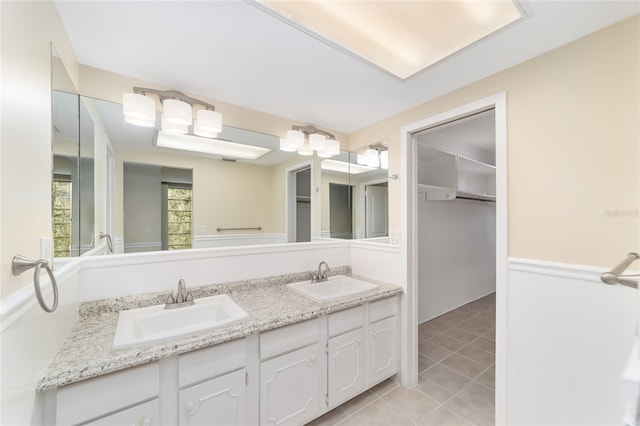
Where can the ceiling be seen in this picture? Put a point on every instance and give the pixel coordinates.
(235, 52)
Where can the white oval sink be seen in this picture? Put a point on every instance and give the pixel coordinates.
(335, 288)
(155, 323)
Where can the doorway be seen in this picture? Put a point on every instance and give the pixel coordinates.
(340, 208)
(299, 209)
(410, 217)
(375, 208)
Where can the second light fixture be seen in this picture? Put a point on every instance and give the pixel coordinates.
(324, 143)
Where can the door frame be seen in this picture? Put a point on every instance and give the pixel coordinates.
(363, 204)
(409, 250)
(290, 198)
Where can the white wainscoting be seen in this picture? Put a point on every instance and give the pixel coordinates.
(377, 261)
(30, 337)
(568, 339)
(232, 240)
(142, 247)
(119, 275)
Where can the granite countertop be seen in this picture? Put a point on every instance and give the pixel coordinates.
(87, 351)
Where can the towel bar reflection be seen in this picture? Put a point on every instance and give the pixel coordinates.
(614, 276)
(20, 264)
(257, 228)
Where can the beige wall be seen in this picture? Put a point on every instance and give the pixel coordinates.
(27, 29)
(573, 147)
(224, 194)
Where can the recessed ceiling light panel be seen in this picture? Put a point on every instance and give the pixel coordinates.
(209, 146)
(400, 37)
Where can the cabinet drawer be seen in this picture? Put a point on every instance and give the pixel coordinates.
(349, 319)
(93, 398)
(210, 362)
(145, 414)
(383, 309)
(288, 338)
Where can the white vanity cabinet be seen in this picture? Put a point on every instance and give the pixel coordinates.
(290, 387)
(346, 355)
(212, 385)
(383, 339)
(127, 397)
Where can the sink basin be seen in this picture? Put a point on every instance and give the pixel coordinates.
(335, 288)
(155, 323)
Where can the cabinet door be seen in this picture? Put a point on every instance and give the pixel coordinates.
(346, 366)
(383, 355)
(289, 393)
(220, 401)
(145, 414)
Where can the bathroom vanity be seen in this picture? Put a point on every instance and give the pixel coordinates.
(290, 361)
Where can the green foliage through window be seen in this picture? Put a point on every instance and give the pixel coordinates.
(179, 215)
(61, 199)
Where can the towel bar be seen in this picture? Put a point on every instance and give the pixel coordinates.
(257, 228)
(614, 276)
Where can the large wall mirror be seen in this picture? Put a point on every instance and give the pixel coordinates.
(148, 197)
(73, 173)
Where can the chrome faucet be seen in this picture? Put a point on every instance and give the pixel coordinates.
(320, 275)
(182, 297)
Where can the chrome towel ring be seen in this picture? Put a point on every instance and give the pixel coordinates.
(20, 263)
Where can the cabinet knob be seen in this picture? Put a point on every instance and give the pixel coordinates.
(192, 407)
(145, 421)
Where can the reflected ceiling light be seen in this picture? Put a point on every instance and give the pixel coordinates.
(420, 34)
(209, 146)
(140, 109)
(317, 140)
(344, 167)
(361, 159)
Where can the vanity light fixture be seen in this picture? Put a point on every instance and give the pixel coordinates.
(324, 143)
(375, 156)
(219, 147)
(140, 109)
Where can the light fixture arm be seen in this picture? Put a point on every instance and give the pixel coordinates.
(309, 130)
(173, 94)
(379, 147)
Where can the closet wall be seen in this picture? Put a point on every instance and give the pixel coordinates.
(456, 237)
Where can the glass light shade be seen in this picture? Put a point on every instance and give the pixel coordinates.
(317, 141)
(295, 139)
(384, 159)
(198, 130)
(324, 154)
(361, 159)
(305, 150)
(333, 147)
(372, 158)
(177, 112)
(173, 128)
(284, 146)
(209, 121)
(139, 109)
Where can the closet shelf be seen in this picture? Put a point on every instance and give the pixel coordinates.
(446, 176)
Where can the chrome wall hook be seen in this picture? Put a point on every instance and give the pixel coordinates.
(20, 264)
(109, 241)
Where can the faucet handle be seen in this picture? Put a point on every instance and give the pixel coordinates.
(188, 297)
(170, 298)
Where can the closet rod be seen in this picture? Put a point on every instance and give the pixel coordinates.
(475, 199)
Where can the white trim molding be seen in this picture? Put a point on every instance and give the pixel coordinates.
(20, 302)
(210, 241)
(409, 218)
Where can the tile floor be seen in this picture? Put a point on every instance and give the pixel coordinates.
(456, 382)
